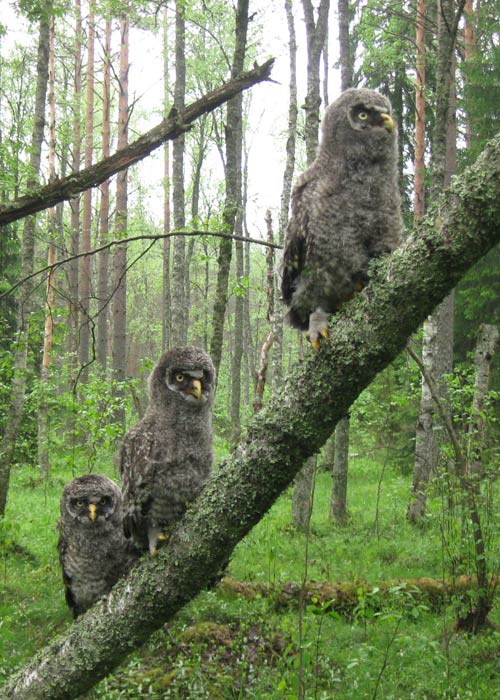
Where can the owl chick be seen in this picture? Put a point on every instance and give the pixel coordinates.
(346, 210)
(167, 457)
(93, 550)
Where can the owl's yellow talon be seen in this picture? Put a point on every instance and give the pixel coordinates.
(315, 344)
(154, 552)
(324, 332)
(162, 538)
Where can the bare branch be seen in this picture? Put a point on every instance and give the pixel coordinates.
(144, 237)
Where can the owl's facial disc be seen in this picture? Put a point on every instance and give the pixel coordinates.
(193, 385)
(91, 508)
(362, 118)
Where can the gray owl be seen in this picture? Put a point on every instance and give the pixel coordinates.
(167, 457)
(346, 210)
(93, 550)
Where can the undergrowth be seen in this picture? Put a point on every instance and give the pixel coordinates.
(228, 645)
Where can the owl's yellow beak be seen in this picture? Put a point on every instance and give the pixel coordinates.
(92, 511)
(196, 388)
(388, 122)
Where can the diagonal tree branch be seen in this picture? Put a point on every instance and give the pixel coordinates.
(365, 336)
(174, 125)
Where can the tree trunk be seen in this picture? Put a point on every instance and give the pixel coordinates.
(166, 342)
(338, 445)
(419, 177)
(338, 505)
(73, 266)
(119, 355)
(316, 31)
(470, 46)
(25, 303)
(437, 348)
(438, 329)
(232, 204)
(87, 203)
(485, 349)
(346, 58)
(316, 36)
(264, 362)
(367, 335)
(179, 311)
(48, 336)
(277, 318)
(103, 272)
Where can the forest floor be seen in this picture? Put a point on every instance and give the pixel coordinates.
(257, 641)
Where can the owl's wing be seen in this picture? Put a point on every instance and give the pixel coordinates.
(136, 468)
(68, 594)
(296, 238)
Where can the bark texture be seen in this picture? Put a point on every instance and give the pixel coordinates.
(369, 332)
(168, 129)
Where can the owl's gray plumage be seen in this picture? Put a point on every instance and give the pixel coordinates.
(167, 457)
(345, 210)
(93, 550)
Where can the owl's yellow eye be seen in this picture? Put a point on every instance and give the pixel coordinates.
(179, 377)
(363, 116)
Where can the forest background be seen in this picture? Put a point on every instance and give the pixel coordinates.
(77, 344)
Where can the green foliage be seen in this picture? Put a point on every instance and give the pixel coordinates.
(226, 646)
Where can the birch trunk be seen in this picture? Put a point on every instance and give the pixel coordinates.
(119, 353)
(368, 334)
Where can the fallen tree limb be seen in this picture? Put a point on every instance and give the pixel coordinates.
(343, 597)
(171, 127)
(365, 336)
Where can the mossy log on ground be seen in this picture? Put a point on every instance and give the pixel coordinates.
(364, 337)
(343, 597)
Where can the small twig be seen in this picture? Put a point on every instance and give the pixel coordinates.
(145, 237)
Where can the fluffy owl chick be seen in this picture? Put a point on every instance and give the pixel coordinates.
(93, 550)
(345, 210)
(167, 457)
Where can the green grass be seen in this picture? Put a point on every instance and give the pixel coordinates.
(225, 646)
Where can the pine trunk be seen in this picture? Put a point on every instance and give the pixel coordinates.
(104, 214)
(25, 303)
(73, 266)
